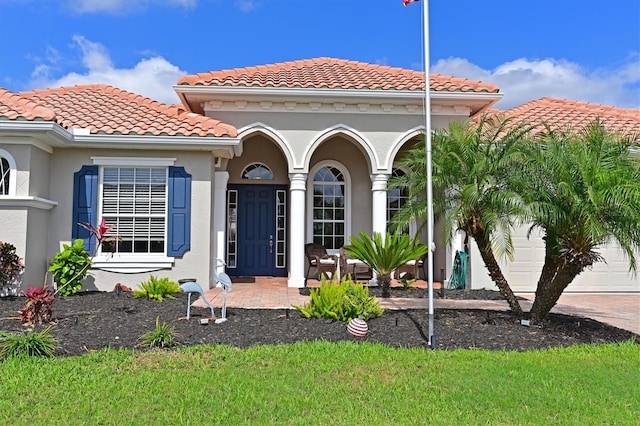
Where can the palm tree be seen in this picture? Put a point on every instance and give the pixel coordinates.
(471, 163)
(385, 255)
(583, 189)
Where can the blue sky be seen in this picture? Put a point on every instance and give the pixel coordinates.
(585, 50)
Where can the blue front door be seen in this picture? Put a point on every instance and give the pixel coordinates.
(257, 230)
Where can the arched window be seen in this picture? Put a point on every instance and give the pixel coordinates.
(396, 199)
(7, 174)
(329, 207)
(257, 171)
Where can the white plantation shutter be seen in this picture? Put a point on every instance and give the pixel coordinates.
(135, 200)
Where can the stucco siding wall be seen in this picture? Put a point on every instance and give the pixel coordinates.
(39, 172)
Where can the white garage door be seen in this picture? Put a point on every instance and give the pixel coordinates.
(613, 276)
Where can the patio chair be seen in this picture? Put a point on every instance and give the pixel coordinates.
(411, 269)
(318, 258)
(354, 267)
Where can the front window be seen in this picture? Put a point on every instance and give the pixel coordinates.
(396, 199)
(329, 207)
(4, 176)
(257, 171)
(135, 200)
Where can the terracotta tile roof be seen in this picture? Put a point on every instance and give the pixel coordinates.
(108, 110)
(559, 113)
(331, 73)
(16, 107)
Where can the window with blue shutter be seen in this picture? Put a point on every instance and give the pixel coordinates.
(179, 212)
(133, 199)
(85, 204)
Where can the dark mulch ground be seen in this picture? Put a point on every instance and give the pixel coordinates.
(95, 320)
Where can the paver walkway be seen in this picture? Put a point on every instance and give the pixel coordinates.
(618, 309)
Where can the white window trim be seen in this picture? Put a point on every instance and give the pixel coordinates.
(347, 199)
(131, 262)
(125, 264)
(133, 161)
(13, 173)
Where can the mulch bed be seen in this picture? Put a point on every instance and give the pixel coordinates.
(94, 320)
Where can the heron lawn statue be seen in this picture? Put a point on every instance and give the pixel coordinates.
(189, 285)
(223, 280)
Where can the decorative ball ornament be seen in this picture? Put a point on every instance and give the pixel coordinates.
(358, 328)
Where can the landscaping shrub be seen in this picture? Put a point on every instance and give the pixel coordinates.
(342, 302)
(39, 306)
(27, 343)
(10, 263)
(157, 288)
(69, 267)
(163, 336)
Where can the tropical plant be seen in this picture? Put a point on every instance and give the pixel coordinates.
(583, 191)
(27, 343)
(385, 254)
(341, 302)
(157, 288)
(162, 336)
(69, 267)
(39, 306)
(471, 164)
(10, 264)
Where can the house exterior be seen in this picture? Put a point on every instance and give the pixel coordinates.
(254, 163)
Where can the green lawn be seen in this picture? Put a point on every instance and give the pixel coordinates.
(326, 384)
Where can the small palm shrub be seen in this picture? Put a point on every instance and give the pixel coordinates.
(69, 267)
(341, 302)
(163, 336)
(39, 306)
(27, 344)
(157, 288)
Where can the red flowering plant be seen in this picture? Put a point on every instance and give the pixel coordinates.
(39, 307)
(69, 267)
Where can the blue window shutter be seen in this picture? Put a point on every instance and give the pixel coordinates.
(179, 212)
(85, 204)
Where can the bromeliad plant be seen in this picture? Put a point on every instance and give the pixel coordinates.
(39, 306)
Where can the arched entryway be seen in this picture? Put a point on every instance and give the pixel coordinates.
(257, 210)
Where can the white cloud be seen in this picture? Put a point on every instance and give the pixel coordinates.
(152, 77)
(523, 80)
(123, 6)
(246, 6)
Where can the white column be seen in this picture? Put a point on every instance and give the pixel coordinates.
(379, 209)
(379, 194)
(297, 190)
(219, 220)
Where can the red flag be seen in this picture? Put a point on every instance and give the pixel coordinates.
(406, 2)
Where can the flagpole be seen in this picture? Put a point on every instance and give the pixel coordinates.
(427, 139)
